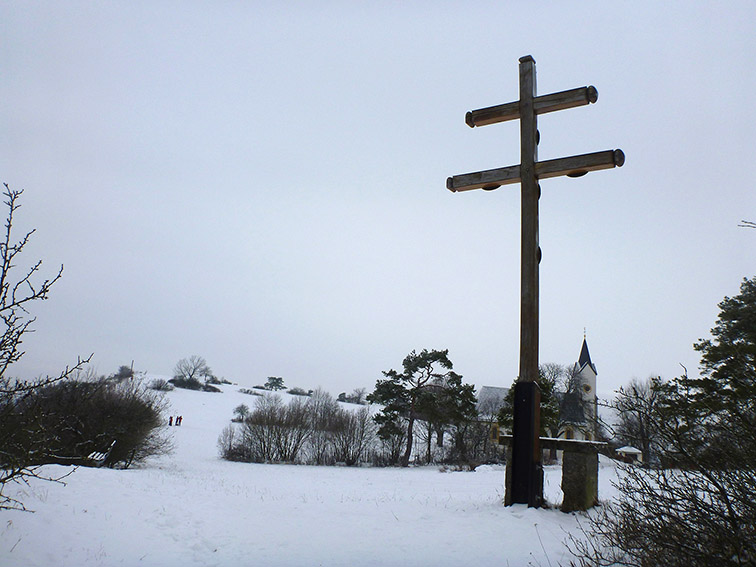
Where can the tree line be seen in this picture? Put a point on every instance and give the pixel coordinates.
(425, 401)
(422, 414)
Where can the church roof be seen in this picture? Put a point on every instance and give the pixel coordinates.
(571, 407)
(585, 358)
(490, 399)
(495, 393)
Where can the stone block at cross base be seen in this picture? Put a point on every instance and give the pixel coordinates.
(579, 481)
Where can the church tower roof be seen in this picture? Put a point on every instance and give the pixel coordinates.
(585, 358)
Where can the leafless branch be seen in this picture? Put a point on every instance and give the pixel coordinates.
(21, 446)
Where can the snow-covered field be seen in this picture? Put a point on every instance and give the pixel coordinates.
(191, 508)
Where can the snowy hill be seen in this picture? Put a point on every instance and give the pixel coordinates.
(191, 508)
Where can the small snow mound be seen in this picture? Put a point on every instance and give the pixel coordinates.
(491, 468)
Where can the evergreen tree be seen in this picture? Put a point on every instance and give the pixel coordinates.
(275, 383)
(549, 404)
(447, 403)
(728, 360)
(426, 387)
(702, 511)
(123, 373)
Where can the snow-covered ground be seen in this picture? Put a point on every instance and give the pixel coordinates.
(191, 508)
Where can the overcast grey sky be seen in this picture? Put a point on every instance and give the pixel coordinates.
(263, 183)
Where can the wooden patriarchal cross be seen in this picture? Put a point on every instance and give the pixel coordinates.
(525, 473)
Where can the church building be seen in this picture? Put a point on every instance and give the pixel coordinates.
(579, 406)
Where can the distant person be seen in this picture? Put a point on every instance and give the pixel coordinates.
(170, 421)
(179, 419)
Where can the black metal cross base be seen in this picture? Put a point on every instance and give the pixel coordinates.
(526, 469)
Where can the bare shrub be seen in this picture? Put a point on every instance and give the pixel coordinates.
(274, 432)
(353, 435)
(293, 429)
(314, 430)
(323, 411)
(250, 392)
(299, 392)
(258, 431)
(161, 385)
(227, 443)
(73, 419)
(22, 437)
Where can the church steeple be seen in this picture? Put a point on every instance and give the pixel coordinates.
(587, 375)
(585, 357)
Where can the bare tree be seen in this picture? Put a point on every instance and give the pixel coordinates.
(353, 435)
(240, 413)
(23, 441)
(292, 430)
(227, 442)
(258, 433)
(358, 396)
(637, 407)
(15, 295)
(189, 371)
(194, 367)
(323, 414)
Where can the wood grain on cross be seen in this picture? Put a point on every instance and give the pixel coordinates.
(526, 478)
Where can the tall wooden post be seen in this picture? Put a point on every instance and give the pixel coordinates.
(525, 472)
(527, 469)
(529, 248)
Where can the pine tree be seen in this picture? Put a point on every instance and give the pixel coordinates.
(426, 387)
(729, 360)
(549, 404)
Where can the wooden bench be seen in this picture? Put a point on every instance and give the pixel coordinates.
(98, 458)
